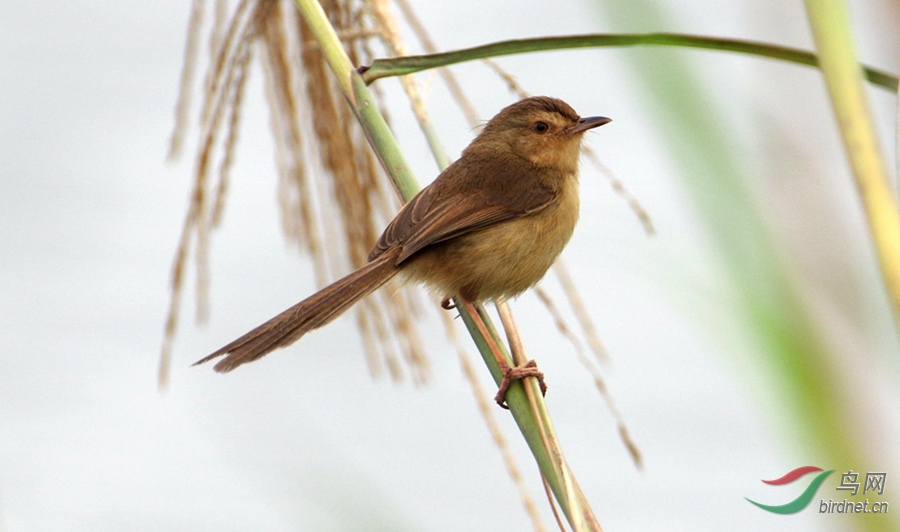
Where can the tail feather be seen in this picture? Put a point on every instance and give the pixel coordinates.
(311, 313)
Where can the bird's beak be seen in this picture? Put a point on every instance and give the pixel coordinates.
(585, 124)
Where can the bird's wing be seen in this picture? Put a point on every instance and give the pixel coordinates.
(461, 201)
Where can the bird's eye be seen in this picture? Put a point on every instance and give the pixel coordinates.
(540, 127)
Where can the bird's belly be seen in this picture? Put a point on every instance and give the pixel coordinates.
(500, 261)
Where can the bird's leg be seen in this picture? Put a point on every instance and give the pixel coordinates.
(528, 369)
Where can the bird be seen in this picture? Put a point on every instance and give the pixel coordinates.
(486, 229)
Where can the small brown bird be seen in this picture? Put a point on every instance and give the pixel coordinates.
(486, 229)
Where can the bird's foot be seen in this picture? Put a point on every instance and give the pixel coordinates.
(528, 369)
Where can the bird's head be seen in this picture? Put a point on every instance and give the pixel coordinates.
(544, 130)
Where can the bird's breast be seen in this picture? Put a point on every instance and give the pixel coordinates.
(503, 260)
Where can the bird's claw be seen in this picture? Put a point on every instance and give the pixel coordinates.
(528, 369)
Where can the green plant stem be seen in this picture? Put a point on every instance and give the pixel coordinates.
(529, 425)
(382, 68)
(832, 31)
(359, 98)
(897, 150)
(382, 139)
(385, 146)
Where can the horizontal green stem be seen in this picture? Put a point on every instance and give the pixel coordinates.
(382, 68)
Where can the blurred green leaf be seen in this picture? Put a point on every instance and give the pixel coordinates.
(772, 310)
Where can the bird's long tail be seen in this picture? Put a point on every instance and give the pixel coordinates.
(311, 313)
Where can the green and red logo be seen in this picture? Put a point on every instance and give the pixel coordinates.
(803, 500)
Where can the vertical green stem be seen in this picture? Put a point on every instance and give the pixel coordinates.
(831, 27)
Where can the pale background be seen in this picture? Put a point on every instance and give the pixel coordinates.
(306, 440)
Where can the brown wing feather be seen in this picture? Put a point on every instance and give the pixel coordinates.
(450, 207)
